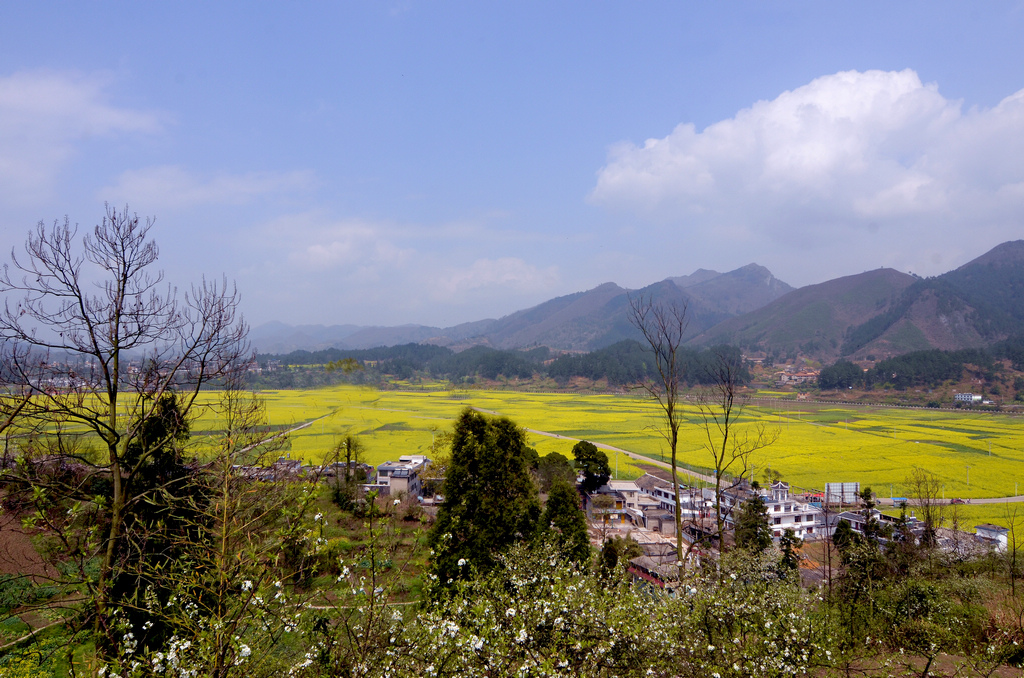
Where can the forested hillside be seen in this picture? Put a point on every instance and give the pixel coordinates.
(625, 362)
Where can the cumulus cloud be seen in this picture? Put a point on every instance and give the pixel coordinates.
(44, 114)
(174, 186)
(823, 165)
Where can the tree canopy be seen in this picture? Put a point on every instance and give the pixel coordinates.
(752, 530)
(564, 515)
(592, 463)
(490, 499)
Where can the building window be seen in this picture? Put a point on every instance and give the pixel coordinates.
(778, 521)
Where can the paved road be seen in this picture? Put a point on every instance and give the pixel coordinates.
(912, 501)
(631, 455)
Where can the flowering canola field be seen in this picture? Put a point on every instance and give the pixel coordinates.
(973, 454)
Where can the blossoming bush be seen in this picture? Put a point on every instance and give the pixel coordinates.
(747, 619)
(539, 614)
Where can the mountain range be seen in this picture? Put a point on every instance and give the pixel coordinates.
(875, 314)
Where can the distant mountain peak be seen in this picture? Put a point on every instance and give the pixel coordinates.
(695, 278)
(1010, 252)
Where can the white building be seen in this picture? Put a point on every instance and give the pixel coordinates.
(401, 476)
(993, 535)
(966, 398)
(784, 512)
(691, 499)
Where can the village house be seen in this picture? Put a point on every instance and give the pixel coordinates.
(402, 476)
(693, 504)
(859, 518)
(620, 503)
(784, 512)
(993, 536)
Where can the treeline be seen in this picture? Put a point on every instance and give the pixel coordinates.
(925, 368)
(625, 362)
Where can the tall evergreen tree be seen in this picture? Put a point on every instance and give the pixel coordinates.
(490, 499)
(752, 530)
(564, 514)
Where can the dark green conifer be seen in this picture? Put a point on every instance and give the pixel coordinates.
(752, 530)
(490, 499)
(564, 515)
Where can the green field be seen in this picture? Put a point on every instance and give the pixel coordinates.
(876, 446)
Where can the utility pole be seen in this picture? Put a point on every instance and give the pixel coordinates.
(968, 476)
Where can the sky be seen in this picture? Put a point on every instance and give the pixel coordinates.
(384, 163)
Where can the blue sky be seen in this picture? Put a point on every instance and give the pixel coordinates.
(389, 163)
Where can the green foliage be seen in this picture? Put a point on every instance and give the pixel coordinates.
(842, 374)
(349, 451)
(918, 368)
(619, 550)
(161, 517)
(564, 516)
(592, 463)
(628, 362)
(752, 530)
(625, 362)
(490, 500)
(19, 590)
(552, 467)
(788, 543)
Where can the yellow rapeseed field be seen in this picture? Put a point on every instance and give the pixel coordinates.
(876, 446)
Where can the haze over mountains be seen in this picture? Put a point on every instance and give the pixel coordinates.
(877, 313)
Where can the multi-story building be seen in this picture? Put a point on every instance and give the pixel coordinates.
(784, 512)
(401, 476)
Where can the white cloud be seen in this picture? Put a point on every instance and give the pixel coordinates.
(173, 186)
(43, 115)
(352, 248)
(314, 266)
(506, 274)
(822, 165)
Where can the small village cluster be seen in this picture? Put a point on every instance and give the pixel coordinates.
(644, 510)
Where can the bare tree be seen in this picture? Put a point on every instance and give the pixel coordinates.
(1013, 522)
(663, 328)
(926, 489)
(346, 457)
(92, 339)
(729, 442)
